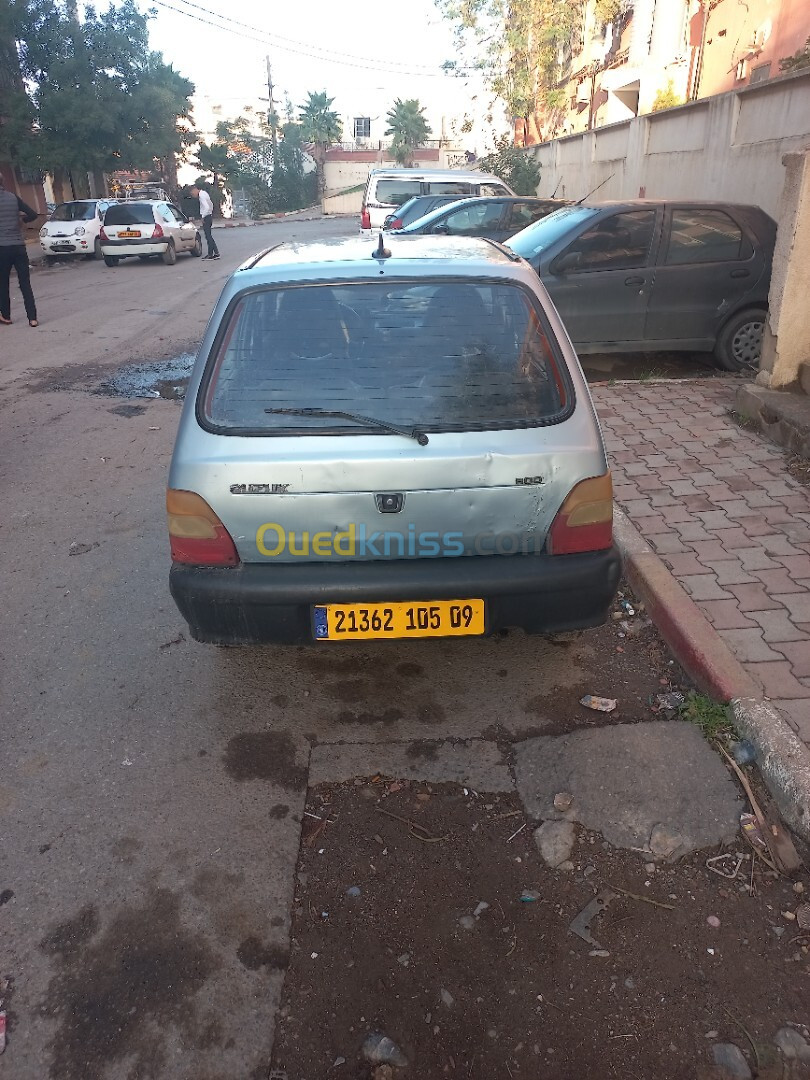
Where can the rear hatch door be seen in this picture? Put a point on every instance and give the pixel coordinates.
(473, 368)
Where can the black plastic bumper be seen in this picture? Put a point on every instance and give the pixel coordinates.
(259, 603)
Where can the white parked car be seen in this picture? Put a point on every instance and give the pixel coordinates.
(148, 229)
(387, 189)
(73, 228)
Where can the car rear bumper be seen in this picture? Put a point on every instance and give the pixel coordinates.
(260, 603)
(145, 246)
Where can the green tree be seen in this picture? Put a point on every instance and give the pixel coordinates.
(518, 168)
(99, 99)
(292, 187)
(321, 126)
(523, 48)
(217, 169)
(249, 144)
(800, 59)
(609, 10)
(666, 98)
(409, 127)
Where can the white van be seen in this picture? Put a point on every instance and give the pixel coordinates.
(386, 189)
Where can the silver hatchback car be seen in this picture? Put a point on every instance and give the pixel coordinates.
(388, 444)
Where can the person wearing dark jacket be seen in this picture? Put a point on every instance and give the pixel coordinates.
(13, 253)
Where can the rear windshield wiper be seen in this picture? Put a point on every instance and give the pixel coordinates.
(369, 421)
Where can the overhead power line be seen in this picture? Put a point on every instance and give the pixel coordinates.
(308, 46)
(266, 40)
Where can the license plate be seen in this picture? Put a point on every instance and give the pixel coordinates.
(412, 619)
(130, 232)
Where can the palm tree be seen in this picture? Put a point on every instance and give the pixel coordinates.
(321, 126)
(409, 128)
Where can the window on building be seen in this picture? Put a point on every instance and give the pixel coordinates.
(362, 127)
(761, 73)
(703, 236)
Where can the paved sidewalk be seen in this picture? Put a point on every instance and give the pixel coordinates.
(719, 507)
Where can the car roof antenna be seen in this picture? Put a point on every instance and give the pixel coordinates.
(579, 202)
(381, 251)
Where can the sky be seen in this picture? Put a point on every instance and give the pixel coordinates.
(364, 53)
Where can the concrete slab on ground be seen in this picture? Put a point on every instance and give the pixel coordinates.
(473, 763)
(656, 787)
(780, 415)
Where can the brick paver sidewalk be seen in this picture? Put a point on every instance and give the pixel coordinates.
(718, 505)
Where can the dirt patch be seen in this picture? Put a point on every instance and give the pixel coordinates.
(264, 755)
(799, 468)
(509, 991)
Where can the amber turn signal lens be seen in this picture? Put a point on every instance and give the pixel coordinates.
(198, 537)
(584, 522)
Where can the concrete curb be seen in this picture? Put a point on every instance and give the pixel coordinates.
(782, 758)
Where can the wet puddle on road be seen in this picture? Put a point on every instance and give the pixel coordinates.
(160, 378)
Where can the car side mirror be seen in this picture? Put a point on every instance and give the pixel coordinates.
(442, 229)
(570, 261)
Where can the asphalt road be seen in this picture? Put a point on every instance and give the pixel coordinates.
(151, 789)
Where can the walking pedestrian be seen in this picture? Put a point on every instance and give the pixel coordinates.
(14, 254)
(207, 215)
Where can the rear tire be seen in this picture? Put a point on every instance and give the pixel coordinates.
(96, 249)
(169, 256)
(196, 251)
(111, 260)
(739, 343)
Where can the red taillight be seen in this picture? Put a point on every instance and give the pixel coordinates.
(198, 537)
(103, 236)
(584, 522)
(157, 232)
(365, 219)
(396, 223)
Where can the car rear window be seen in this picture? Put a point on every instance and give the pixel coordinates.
(395, 192)
(130, 214)
(441, 356)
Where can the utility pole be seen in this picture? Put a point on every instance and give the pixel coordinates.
(272, 117)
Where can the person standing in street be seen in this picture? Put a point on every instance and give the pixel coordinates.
(14, 254)
(207, 215)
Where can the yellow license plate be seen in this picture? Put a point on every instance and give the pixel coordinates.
(130, 232)
(412, 619)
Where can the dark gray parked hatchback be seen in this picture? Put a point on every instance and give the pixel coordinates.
(649, 275)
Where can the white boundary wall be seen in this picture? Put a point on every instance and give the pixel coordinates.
(727, 147)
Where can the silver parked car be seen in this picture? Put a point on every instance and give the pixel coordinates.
(384, 444)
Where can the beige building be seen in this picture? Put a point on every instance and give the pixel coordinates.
(659, 53)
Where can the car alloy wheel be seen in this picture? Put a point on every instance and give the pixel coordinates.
(739, 343)
(746, 344)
